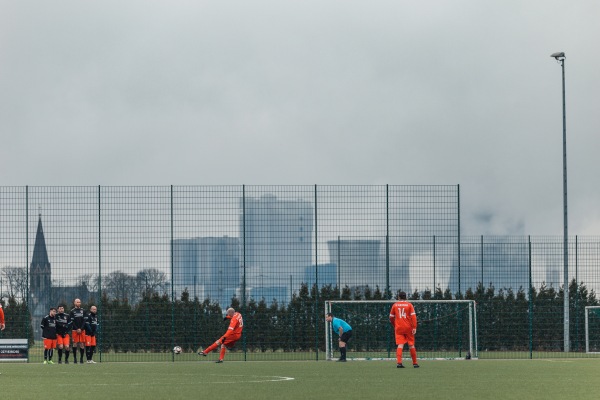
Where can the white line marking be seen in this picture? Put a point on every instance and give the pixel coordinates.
(251, 379)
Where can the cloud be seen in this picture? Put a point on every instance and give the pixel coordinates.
(308, 92)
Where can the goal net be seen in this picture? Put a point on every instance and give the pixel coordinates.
(447, 329)
(592, 329)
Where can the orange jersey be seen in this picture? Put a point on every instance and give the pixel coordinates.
(1, 315)
(235, 326)
(403, 316)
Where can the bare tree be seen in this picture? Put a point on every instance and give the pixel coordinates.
(89, 281)
(119, 285)
(151, 281)
(14, 282)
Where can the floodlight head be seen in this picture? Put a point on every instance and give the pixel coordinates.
(559, 56)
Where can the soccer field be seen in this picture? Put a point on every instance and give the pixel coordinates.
(474, 379)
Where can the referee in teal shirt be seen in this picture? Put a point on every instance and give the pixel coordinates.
(343, 329)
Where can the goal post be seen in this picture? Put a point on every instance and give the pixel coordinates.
(447, 329)
(592, 329)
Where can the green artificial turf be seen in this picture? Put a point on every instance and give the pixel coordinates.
(473, 379)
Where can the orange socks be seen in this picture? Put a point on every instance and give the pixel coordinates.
(413, 355)
(210, 348)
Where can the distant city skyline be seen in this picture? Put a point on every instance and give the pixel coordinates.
(280, 249)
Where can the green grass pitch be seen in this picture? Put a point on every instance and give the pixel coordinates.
(473, 379)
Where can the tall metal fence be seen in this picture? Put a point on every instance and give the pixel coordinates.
(163, 262)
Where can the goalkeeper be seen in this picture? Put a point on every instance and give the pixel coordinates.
(228, 340)
(343, 329)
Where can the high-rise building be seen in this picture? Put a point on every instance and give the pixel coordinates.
(502, 263)
(358, 261)
(277, 244)
(326, 274)
(207, 267)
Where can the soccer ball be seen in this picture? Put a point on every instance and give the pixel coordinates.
(177, 350)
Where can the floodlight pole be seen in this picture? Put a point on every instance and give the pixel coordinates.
(560, 57)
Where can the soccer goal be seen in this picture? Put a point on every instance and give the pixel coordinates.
(592, 329)
(447, 329)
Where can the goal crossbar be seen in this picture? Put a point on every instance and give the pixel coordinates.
(447, 329)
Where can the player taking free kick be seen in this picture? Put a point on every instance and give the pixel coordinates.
(404, 320)
(233, 334)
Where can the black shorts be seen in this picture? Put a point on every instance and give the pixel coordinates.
(346, 336)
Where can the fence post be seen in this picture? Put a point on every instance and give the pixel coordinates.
(28, 325)
(434, 280)
(576, 294)
(317, 317)
(339, 269)
(530, 302)
(387, 242)
(458, 233)
(244, 264)
(100, 308)
(172, 285)
(482, 284)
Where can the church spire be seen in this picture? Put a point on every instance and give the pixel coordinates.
(40, 278)
(40, 255)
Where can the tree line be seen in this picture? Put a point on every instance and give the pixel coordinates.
(507, 320)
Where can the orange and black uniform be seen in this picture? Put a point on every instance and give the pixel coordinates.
(91, 331)
(77, 320)
(48, 326)
(62, 332)
(1, 316)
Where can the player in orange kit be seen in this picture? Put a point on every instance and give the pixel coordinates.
(2, 325)
(233, 334)
(404, 320)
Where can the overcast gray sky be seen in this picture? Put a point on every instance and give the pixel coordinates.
(310, 92)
